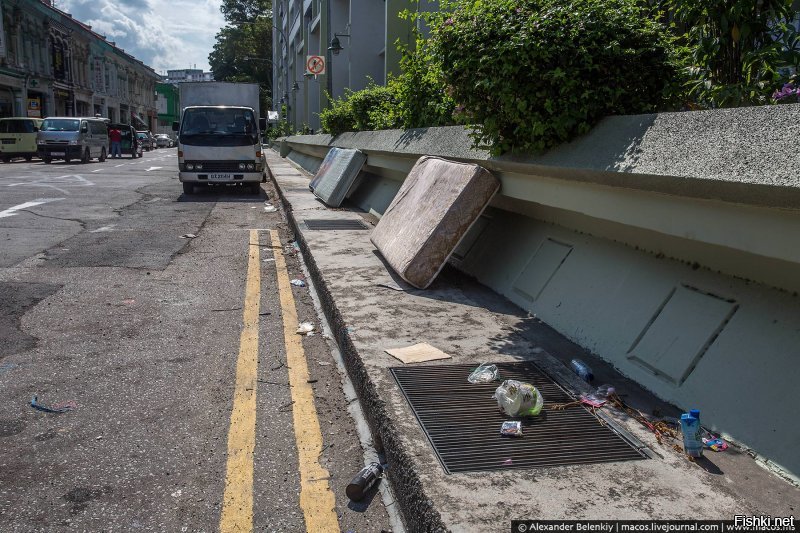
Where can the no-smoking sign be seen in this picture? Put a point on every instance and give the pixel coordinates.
(315, 65)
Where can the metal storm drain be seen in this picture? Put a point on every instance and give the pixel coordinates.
(462, 422)
(337, 224)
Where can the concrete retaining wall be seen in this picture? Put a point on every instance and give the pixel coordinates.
(666, 244)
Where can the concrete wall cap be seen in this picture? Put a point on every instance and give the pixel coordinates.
(746, 155)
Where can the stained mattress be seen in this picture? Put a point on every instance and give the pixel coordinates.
(431, 213)
(336, 175)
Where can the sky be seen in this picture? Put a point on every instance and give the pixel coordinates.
(165, 34)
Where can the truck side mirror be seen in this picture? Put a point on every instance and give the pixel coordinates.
(262, 124)
(176, 126)
(84, 128)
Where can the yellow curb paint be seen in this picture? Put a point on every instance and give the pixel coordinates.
(237, 502)
(316, 498)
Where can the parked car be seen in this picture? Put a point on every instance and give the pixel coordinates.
(70, 138)
(130, 142)
(146, 139)
(18, 138)
(163, 141)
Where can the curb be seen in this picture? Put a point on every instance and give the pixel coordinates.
(416, 508)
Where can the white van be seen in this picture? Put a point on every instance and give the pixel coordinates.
(18, 137)
(72, 138)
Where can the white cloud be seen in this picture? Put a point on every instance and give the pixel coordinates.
(164, 35)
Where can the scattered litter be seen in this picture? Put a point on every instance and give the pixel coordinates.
(311, 380)
(323, 363)
(690, 429)
(129, 301)
(264, 313)
(269, 260)
(305, 328)
(253, 207)
(298, 283)
(61, 407)
(394, 286)
(188, 236)
(99, 437)
(511, 428)
(417, 353)
(362, 481)
(485, 373)
(508, 462)
(599, 397)
(715, 443)
(582, 369)
(230, 309)
(516, 398)
(270, 209)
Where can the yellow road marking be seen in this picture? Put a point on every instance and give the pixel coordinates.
(237, 502)
(316, 498)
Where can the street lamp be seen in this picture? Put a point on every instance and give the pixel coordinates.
(336, 45)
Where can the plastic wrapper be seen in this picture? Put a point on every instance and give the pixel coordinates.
(485, 373)
(516, 398)
(599, 397)
(511, 428)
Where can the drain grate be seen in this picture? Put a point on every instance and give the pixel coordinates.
(462, 422)
(336, 224)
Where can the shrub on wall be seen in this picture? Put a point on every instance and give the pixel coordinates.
(532, 74)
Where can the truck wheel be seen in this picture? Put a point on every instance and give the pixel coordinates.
(255, 188)
(87, 156)
(47, 160)
(102, 154)
(188, 188)
(28, 158)
(6, 159)
(67, 159)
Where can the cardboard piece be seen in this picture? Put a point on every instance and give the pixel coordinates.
(418, 353)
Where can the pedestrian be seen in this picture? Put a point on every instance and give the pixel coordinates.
(115, 136)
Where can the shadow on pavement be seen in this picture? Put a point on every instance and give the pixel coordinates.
(223, 193)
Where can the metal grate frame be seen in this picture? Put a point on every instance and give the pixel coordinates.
(462, 422)
(317, 224)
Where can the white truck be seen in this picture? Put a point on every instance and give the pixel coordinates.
(219, 140)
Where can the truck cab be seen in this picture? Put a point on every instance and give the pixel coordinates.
(219, 145)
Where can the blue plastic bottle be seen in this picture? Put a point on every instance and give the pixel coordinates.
(692, 441)
(582, 369)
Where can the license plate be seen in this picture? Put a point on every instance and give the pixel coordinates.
(58, 153)
(220, 176)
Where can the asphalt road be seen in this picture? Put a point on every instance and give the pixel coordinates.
(105, 308)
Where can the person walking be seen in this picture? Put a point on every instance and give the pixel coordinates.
(115, 136)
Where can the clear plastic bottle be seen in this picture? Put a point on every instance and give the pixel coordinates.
(582, 369)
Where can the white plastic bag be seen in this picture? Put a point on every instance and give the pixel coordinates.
(485, 373)
(516, 398)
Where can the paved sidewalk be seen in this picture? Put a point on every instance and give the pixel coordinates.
(473, 324)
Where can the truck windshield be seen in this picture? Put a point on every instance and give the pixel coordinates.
(60, 124)
(225, 121)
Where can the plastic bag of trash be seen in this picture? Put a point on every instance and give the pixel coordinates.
(516, 398)
(485, 373)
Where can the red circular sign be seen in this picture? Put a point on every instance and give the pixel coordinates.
(315, 65)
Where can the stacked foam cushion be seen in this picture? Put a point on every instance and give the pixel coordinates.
(431, 213)
(336, 175)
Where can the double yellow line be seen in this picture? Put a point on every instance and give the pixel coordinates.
(316, 499)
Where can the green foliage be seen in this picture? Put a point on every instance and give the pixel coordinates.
(415, 99)
(532, 74)
(243, 50)
(738, 51)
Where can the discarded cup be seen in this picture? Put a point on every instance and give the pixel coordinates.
(582, 369)
(362, 481)
(298, 283)
(692, 443)
(485, 373)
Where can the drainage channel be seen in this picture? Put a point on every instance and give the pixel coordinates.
(462, 422)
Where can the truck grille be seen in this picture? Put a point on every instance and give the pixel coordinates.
(219, 166)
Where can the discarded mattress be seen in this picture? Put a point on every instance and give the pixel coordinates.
(432, 211)
(336, 175)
